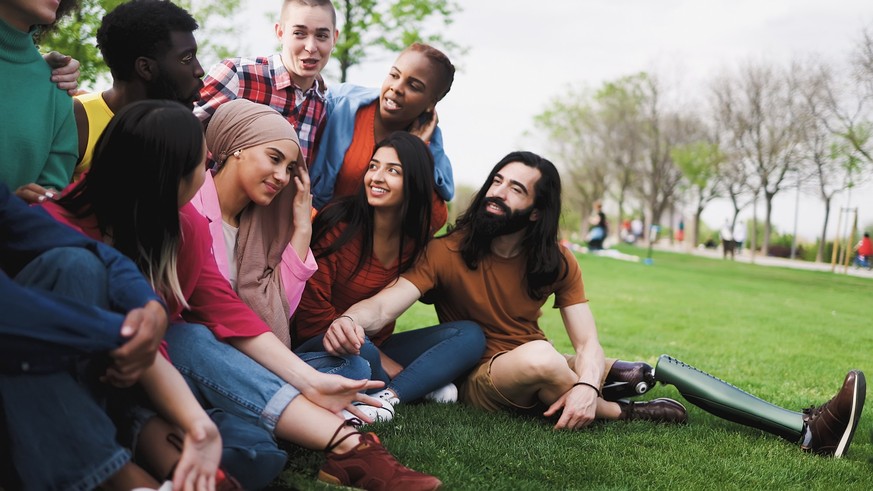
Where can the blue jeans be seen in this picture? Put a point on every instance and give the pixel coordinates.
(56, 435)
(431, 357)
(222, 376)
(69, 274)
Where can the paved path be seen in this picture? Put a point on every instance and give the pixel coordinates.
(767, 261)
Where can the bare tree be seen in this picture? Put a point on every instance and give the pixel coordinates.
(758, 109)
(662, 131)
(832, 157)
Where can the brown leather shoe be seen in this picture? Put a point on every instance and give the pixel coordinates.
(831, 426)
(369, 466)
(661, 410)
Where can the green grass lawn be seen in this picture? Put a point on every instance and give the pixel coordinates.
(787, 336)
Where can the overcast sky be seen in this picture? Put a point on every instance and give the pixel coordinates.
(522, 54)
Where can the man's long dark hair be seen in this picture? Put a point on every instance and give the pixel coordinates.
(357, 213)
(545, 262)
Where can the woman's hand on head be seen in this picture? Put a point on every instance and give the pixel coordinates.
(424, 127)
(302, 215)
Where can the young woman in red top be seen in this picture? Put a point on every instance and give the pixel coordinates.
(364, 242)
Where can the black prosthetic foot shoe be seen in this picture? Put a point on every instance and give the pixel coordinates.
(628, 379)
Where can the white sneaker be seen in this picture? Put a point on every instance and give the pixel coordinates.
(388, 396)
(377, 414)
(445, 394)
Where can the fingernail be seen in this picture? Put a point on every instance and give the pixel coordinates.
(40, 198)
(126, 330)
(49, 194)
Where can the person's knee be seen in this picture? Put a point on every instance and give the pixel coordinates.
(539, 358)
(71, 271)
(469, 335)
(355, 367)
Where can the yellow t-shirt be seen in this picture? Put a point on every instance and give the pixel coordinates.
(98, 114)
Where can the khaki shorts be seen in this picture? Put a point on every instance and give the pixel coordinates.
(479, 390)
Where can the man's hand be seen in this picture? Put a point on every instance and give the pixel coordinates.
(580, 407)
(34, 193)
(344, 337)
(65, 71)
(144, 329)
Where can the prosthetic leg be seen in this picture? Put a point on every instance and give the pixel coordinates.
(726, 401)
(627, 379)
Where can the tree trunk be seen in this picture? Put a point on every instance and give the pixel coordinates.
(768, 209)
(819, 254)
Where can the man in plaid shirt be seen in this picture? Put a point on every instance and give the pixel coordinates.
(287, 81)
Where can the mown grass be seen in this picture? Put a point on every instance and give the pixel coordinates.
(787, 336)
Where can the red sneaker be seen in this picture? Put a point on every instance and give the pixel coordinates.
(370, 466)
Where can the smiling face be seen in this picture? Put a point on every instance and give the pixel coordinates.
(308, 35)
(24, 14)
(384, 179)
(410, 89)
(264, 170)
(508, 205)
(179, 75)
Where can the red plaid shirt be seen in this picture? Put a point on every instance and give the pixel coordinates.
(265, 80)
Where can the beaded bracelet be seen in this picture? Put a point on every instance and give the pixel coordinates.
(588, 385)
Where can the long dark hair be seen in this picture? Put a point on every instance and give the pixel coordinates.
(132, 187)
(357, 213)
(545, 262)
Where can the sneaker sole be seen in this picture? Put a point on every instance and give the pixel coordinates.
(859, 394)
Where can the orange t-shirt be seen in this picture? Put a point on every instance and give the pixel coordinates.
(357, 158)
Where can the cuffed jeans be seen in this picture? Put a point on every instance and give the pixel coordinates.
(222, 376)
(431, 357)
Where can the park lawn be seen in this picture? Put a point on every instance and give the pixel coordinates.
(787, 336)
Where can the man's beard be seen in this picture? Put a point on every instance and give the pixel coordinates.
(488, 225)
(163, 89)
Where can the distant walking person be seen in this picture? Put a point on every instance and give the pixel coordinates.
(727, 239)
(739, 236)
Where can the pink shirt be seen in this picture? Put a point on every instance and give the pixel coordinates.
(294, 272)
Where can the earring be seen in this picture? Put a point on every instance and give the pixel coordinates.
(236, 154)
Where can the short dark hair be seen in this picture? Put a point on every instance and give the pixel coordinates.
(439, 59)
(139, 28)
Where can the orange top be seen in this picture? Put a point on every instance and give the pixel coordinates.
(358, 155)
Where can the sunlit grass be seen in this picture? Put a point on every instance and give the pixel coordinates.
(787, 336)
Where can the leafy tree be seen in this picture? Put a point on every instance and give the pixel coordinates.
(76, 35)
(699, 162)
(391, 26)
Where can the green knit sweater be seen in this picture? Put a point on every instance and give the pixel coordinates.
(38, 140)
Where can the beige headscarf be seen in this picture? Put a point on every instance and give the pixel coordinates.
(264, 231)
